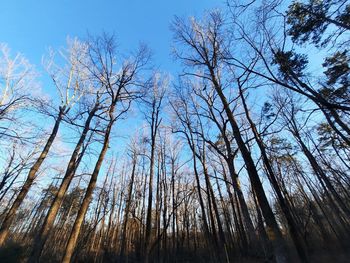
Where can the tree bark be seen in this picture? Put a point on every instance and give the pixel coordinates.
(54, 208)
(5, 227)
(273, 231)
(88, 195)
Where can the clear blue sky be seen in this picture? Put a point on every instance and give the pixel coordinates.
(31, 26)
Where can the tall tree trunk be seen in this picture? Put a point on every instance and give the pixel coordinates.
(293, 229)
(273, 231)
(89, 191)
(150, 200)
(127, 209)
(319, 171)
(5, 227)
(67, 179)
(155, 121)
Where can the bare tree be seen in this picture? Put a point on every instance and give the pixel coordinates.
(153, 101)
(120, 90)
(68, 82)
(204, 43)
(17, 80)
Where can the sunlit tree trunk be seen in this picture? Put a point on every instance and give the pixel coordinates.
(5, 227)
(88, 195)
(127, 208)
(54, 208)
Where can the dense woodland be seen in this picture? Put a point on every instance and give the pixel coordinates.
(241, 156)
